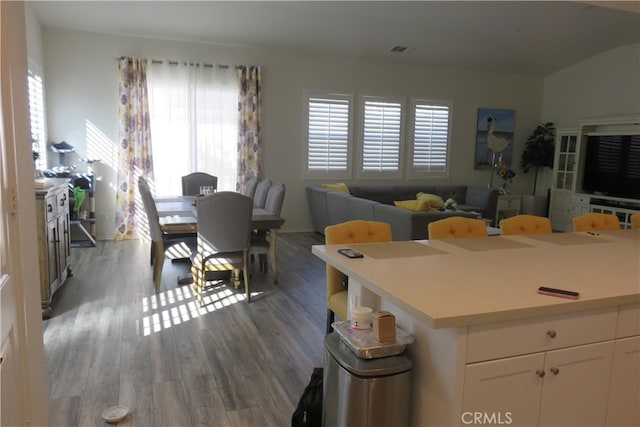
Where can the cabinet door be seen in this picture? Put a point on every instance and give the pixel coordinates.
(624, 396)
(505, 391)
(565, 163)
(576, 385)
(560, 211)
(63, 246)
(52, 255)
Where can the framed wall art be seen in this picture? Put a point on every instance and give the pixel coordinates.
(494, 137)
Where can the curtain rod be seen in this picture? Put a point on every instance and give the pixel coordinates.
(177, 62)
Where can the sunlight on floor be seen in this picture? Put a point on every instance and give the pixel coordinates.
(176, 306)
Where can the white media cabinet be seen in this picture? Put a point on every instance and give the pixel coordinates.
(567, 201)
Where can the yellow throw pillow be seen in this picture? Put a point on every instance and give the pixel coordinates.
(434, 200)
(340, 187)
(413, 205)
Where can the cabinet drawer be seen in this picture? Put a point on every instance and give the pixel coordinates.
(486, 342)
(581, 200)
(509, 202)
(628, 321)
(50, 207)
(63, 201)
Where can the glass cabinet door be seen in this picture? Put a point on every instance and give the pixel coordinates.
(566, 158)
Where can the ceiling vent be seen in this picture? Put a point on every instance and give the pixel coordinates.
(399, 49)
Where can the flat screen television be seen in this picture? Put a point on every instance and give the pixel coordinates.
(612, 166)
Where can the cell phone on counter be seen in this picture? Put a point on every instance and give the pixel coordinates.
(350, 253)
(562, 293)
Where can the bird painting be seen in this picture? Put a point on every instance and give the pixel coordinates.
(495, 143)
(494, 137)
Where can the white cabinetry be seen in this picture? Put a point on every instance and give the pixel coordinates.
(624, 393)
(569, 168)
(565, 164)
(507, 206)
(52, 217)
(562, 370)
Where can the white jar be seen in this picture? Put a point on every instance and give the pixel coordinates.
(361, 317)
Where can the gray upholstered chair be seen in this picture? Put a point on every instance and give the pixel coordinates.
(250, 186)
(224, 228)
(191, 183)
(263, 244)
(260, 196)
(175, 246)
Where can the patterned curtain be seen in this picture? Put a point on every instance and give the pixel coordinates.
(134, 150)
(250, 115)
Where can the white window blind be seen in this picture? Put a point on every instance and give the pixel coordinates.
(36, 118)
(328, 136)
(430, 144)
(382, 125)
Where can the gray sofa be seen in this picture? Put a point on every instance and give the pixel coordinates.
(375, 203)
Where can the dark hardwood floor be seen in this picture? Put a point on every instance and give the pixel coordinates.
(112, 340)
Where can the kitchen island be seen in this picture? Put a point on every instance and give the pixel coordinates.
(488, 348)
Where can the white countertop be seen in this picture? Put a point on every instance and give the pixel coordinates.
(484, 280)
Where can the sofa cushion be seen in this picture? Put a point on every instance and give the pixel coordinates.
(434, 200)
(340, 187)
(413, 205)
(378, 193)
(316, 198)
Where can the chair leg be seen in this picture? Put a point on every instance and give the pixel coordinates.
(245, 273)
(158, 248)
(272, 254)
(330, 319)
(199, 281)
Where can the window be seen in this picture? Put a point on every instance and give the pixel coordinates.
(193, 111)
(36, 117)
(328, 136)
(381, 153)
(430, 139)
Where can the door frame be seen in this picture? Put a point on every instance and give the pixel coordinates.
(19, 196)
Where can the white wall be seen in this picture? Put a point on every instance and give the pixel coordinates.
(602, 86)
(34, 36)
(81, 84)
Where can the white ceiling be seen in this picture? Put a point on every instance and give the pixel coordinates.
(522, 37)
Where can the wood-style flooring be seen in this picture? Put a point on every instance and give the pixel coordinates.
(112, 340)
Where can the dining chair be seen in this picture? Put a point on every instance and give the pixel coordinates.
(260, 196)
(174, 246)
(264, 243)
(250, 186)
(457, 226)
(357, 231)
(525, 224)
(192, 182)
(596, 221)
(224, 228)
(635, 220)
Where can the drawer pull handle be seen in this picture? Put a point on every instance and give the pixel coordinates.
(540, 373)
(49, 208)
(555, 371)
(551, 333)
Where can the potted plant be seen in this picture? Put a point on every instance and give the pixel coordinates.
(538, 151)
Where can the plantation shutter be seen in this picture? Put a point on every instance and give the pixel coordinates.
(328, 134)
(36, 118)
(430, 138)
(381, 136)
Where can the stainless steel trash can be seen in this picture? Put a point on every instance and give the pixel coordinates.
(364, 392)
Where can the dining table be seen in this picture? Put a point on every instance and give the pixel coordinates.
(178, 215)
